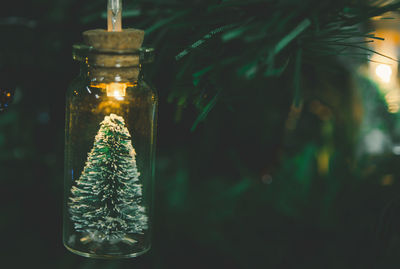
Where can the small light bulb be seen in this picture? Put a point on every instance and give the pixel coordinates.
(116, 90)
(384, 72)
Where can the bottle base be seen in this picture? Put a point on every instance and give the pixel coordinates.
(105, 256)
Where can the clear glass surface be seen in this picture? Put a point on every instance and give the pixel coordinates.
(109, 167)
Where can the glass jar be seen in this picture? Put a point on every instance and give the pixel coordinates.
(110, 138)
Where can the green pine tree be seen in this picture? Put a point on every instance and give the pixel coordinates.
(106, 201)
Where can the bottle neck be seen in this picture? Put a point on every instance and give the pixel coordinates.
(107, 66)
(100, 74)
(104, 68)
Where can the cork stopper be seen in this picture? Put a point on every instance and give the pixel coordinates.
(128, 39)
(103, 65)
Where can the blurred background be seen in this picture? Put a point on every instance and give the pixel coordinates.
(278, 136)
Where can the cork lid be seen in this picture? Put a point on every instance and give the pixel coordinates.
(127, 39)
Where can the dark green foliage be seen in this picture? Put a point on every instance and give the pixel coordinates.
(252, 100)
(243, 40)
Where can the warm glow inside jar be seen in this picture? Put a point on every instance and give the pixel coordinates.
(109, 154)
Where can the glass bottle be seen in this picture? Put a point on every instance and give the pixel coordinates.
(109, 154)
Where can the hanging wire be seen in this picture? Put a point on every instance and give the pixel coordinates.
(114, 15)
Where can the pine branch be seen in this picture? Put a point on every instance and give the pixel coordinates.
(243, 39)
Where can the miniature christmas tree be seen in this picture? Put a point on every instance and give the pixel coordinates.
(106, 200)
